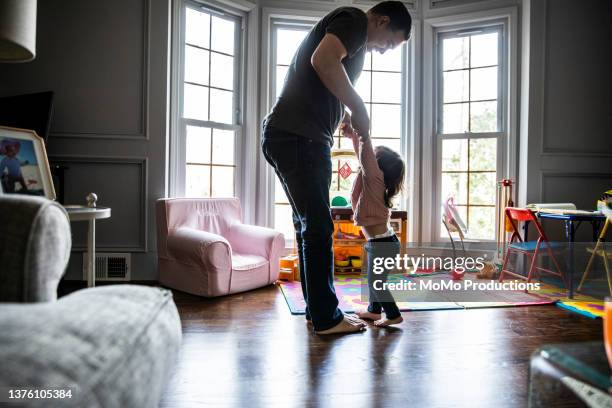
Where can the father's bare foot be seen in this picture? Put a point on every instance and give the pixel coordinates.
(347, 325)
(388, 322)
(364, 314)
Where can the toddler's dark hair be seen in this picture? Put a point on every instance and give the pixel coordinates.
(393, 168)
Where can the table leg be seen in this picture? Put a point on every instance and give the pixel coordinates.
(570, 232)
(404, 236)
(91, 254)
(596, 225)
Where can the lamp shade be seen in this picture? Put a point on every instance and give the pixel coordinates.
(17, 30)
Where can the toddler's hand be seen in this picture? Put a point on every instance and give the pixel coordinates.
(347, 130)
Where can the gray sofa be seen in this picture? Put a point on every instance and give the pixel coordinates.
(35, 247)
(113, 346)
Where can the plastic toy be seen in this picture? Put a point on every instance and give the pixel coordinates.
(457, 274)
(356, 262)
(339, 201)
(604, 204)
(489, 271)
(341, 261)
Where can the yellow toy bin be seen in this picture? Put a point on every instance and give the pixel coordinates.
(289, 268)
(348, 247)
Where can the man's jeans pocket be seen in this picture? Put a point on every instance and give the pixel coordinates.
(282, 154)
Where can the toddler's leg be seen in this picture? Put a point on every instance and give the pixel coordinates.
(392, 312)
(374, 310)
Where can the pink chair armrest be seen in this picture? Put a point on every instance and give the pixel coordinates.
(194, 246)
(255, 240)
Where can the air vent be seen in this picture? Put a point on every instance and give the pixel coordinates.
(449, 3)
(110, 266)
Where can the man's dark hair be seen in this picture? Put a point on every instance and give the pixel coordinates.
(399, 17)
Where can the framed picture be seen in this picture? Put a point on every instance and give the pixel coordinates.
(24, 167)
(396, 225)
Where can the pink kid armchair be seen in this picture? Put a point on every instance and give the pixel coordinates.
(205, 249)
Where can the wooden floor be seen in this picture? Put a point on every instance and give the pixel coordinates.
(247, 350)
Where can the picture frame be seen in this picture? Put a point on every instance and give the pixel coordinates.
(24, 166)
(396, 225)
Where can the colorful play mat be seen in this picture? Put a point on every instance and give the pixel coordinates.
(582, 304)
(348, 290)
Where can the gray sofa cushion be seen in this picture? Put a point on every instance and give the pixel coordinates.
(116, 344)
(35, 246)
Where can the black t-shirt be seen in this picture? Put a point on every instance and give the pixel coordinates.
(305, 106)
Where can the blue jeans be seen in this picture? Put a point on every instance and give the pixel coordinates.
(304, 169)
(380, 300)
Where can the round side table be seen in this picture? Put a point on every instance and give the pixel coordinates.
(90, 214)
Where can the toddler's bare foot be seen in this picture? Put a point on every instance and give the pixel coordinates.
(353, 318)
(388, 322)
(345, 326)
(364, 314)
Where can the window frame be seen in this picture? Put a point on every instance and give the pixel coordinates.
(178, 126)
(405, 114)
(277, 23)
(502, 136)
(461, 31)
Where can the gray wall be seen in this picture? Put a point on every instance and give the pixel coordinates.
(106, 61)
(566, 134)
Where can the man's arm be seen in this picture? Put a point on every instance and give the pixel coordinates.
(327, 63)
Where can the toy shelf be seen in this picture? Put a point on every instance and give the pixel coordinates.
(353, 247)
(339, 241)
(340, 270)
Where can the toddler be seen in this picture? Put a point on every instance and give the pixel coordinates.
(379, 180)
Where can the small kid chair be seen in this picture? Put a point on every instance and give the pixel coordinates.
(598, 250)
(529, 248)
(204, 248)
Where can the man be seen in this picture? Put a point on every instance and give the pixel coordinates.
(298, 135)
